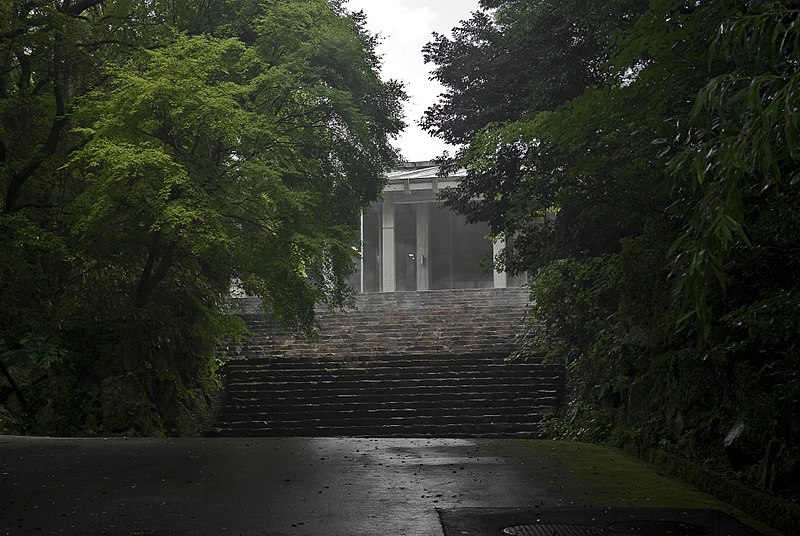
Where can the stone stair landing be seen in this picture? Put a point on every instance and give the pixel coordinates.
(467, 321)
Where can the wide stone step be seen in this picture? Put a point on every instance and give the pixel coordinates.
(291, 396)
(469, 361)
(378, 366)
(431, 405)
(347, 350)
(269, 381)
(432, 376)
(332, 413)
(332, 365)
(395, 392)
(533, 397)
(390, 368)
(402, 392)
(504, 430)
(466, 369)
(432, 379)
(401, 361)
(531, 421)
(378, 427)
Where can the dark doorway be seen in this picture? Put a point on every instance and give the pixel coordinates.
(405, 229)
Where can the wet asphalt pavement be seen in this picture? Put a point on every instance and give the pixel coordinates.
(280, 486)
(340, 487)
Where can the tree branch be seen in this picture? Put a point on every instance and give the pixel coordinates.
(103, 42)
(14, 190)
(80, 6)
(11, 34)
(144, 279)
(14, 386)
(152, 275)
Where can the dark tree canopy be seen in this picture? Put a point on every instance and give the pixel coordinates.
(153, 153)
(642, 158)
(486, 67)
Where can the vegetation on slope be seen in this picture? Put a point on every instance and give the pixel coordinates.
(663, 137)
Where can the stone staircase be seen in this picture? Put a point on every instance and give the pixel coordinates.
(401, 365)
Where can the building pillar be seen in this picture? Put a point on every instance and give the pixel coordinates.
(423, 246)
(388, 271)
(361, 256)
(500, 278)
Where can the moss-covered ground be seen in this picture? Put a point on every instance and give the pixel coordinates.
(601, 476)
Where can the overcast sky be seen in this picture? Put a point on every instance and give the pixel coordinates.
(405, 26)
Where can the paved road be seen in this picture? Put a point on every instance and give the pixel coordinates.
(254, 487)
(272, 487)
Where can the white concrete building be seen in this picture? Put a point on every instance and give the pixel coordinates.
(411, 242)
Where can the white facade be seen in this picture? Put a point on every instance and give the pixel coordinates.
(410, 242)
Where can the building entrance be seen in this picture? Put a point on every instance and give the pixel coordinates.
(410, 242)
(405, 236)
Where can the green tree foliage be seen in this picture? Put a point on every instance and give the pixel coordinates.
(740, 151)
(643, 157)
(152, 153)
(485, 67)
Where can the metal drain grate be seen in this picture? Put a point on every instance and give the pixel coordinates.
(657, 528)
(632, 528)
(551, 530)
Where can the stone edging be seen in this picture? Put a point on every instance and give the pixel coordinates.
(770, 510)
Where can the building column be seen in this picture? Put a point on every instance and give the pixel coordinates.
(423, 246)
(388, 271)
(500, 278)
(361, 257)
